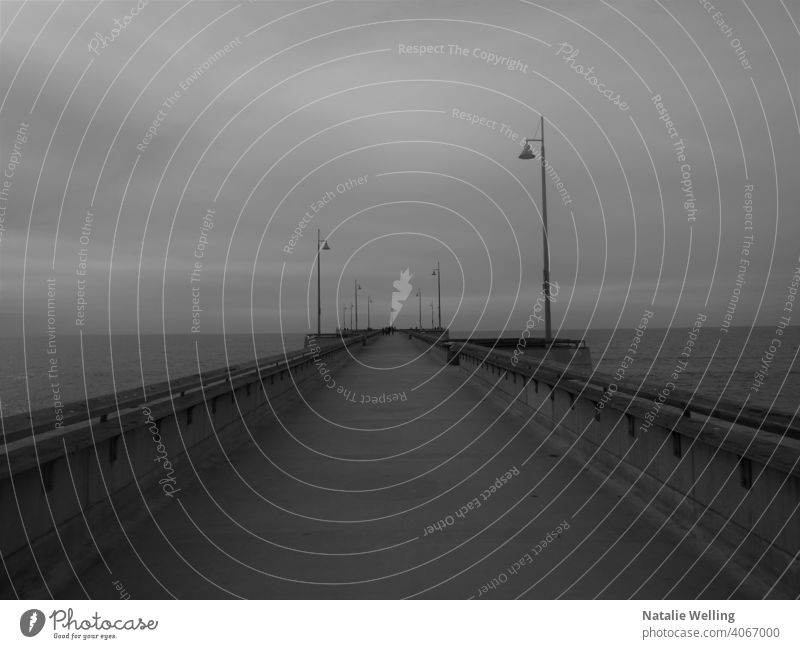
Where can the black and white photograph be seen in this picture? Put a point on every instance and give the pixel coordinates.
(308, 307)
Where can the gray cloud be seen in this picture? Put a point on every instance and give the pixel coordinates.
(370, 110)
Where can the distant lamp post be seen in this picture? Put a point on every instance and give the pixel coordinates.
(528, 154)
(356, 289)
(431, 315)
(419, 295)
(438, 272)
(351, 315)
(321, 245)
(369, 301)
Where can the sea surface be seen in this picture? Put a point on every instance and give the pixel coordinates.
(719, 365)
(102, 365)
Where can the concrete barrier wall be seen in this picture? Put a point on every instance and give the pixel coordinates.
(732, 488)
(106, 476)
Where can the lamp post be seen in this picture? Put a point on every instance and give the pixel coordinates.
(351, 315)
(419, 295)
(356, 289)
(321, 245)
(528, 154)
(438, 272)
(431, 315)
(369, 301)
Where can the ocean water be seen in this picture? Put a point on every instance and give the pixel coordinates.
(719, 365)
(119, 362)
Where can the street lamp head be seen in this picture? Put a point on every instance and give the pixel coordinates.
(325, 245)
(434, 272)
(527, 152)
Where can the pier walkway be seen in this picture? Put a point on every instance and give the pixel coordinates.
(342, 497)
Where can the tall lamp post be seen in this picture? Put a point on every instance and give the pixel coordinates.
(438, 272)
(351, 316)
(369, 301)
(419, 295)
(431, 315)
(356, 289)
(321, 245)
(528, 154)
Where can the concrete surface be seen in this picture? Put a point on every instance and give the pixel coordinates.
(338, 500)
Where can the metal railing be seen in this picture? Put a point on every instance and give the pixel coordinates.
(598, 383)
(504, 343)
(101, 408)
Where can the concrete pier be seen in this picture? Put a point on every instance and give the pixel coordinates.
(405, 479)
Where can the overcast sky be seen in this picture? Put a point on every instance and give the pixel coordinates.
(308, 96)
